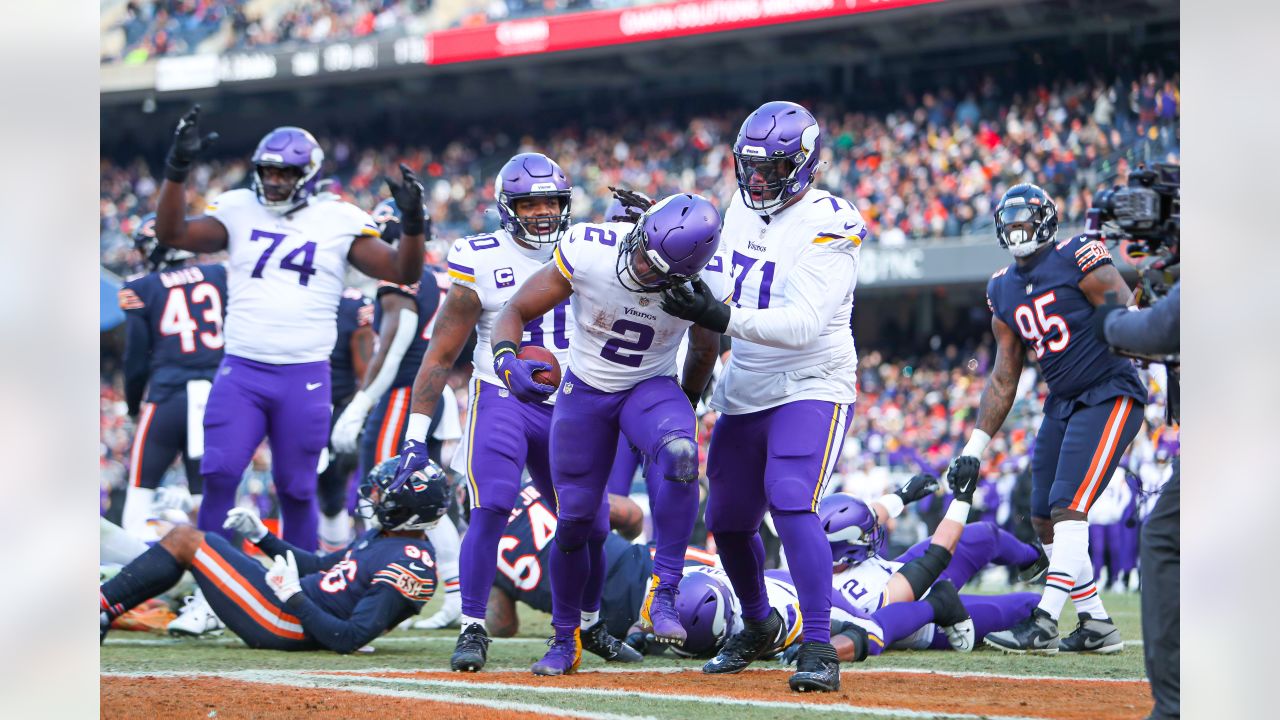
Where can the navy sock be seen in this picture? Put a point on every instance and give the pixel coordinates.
(150, 574)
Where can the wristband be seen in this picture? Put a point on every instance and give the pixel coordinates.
(413, 225)
(176, 174)
(503, 347)
(977, 444)
(957, 511)
(417, 427)
(892, 504)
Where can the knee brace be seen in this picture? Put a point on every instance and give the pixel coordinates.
(923, 572)
(678, 459)
(572, 534)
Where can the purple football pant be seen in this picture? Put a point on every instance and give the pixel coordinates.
(656, 418)
(1114, 546)
(289, 404)
(991, 613)
(780, 460)
(982, 544)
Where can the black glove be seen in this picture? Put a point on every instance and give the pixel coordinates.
(698, 305)
(917, 488)
(963, 476)
(187, 146)
(408, 196)
(633, 204)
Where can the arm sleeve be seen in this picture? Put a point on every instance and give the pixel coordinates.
(816, 287)
(377, 611)
(308, 562)
(1153, 330)
(137, 360)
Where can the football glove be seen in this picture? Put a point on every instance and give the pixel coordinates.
(917, 488)
(282, 578)
(413, 457)
(633, 204)
(187, 146)
(247, 523)
(408, 196)
(698, 305)
(346, 432)
(962, 475)
(517, 375)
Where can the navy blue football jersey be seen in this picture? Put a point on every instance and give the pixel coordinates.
(174, 327)
(428, 293)
(1042, 303)
(374, 563)
(354, 311)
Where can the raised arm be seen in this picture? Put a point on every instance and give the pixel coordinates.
(401, 264)
(173, 228)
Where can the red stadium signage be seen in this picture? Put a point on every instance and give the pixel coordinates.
(638, 24)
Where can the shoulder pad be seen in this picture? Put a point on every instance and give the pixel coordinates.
(1086, 254)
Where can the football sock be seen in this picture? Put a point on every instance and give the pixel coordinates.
(466, 621)
(570, 568)
(299, 521)
(742, 563)
(444, 538)
(589, 619)
(478, 554)
(137, 510)
(677, 511)
(809, 557)
(1070, 555)
(593, 591)
(335, 531)
(150, 574)
(1085, 594)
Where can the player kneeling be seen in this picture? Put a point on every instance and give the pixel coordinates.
(340, 601)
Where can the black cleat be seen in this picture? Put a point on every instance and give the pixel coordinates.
(1037, 634)
(749, 644)
(472, 650)
(1093, 636)
(949, 613)
(817, 668)
(1034, 572)
(598, 641)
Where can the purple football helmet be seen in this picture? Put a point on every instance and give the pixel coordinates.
(157, 256)
(852, 528)
(705, 607)
(776, 155)
(671, 242)
(290, 148)
(533, 175)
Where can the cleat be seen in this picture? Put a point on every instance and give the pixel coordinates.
(104, 624)
(1037, 634)
(817, 668)
(563, 658)
(196, 618)
(754, 640)
(949, 613)
(1034, 572)
(598, 641)
(1093, 636)
(659, 613)
(472, 650)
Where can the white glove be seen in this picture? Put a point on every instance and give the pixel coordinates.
(346, 432)
(282, 578)
(247, 523)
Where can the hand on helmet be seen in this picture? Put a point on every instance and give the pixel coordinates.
(917, 488)
(187, 145)
(408, 196)
(517, 375)
(698, 305)
(413, 457)
(962, 476)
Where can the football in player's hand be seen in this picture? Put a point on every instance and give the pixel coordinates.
(537, 353)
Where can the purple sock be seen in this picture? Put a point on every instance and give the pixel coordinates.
(809, 560)
(478, 559)
(593, 591)
(677, 510)
(742, 563)
(1009, 550)
(570, 571)
(300, 521)
(991, 613)
(899, 620)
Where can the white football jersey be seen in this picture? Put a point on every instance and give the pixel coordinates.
(864, 584)
(790, 282)
(494, 265)
(285, 275)
(623, 337)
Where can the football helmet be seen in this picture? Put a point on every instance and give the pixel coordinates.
(1026, 219)
(387, 215)
(776, 155)
(157, 256)
(705, 605)
(852, 528)
(533, 175)
(416, 505)
(670, 243)
(290, 148)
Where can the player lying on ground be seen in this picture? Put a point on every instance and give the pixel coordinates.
(339, 601)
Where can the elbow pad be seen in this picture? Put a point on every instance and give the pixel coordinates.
(922, 572)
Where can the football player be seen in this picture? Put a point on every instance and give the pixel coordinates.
(504, 436)
(340, 601)
(620, 377)
(348, 361)
(785, 396)
(290, 248)
(173, 345)
(1043, 302)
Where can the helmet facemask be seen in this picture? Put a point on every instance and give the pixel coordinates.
(640, 268)
(1025, 224)
(535, 230)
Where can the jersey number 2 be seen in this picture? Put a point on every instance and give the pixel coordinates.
(644, 338)
(1036, 325)
(176, 318)
(300, 260)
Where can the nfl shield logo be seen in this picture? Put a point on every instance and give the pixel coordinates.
(568, 388)
(644, 301)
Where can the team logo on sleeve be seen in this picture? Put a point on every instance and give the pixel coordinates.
(409, 583)
(1090, 254)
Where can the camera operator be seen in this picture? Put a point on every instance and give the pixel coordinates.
(1148, 210)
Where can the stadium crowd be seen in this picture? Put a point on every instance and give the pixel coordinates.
(930, 169)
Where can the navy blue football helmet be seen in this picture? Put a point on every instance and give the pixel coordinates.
(387, 215)
(156, 256)
(416, 505)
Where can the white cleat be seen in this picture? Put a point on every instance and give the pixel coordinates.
(445, 617)
(961, 636)
(196, 618)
